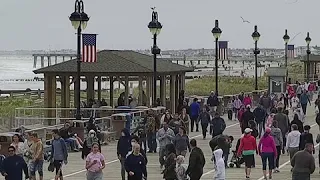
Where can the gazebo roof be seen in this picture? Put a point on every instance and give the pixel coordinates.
(117, 62)
(312, 58)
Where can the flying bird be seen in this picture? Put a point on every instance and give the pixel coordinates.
(153, 8)
(243, 20)
(291, 1)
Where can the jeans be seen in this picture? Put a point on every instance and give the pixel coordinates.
(266, 156)
(123, 171)
(300, 176)
(71, 142)
(162, 153)
(261, 127)
(278, 156)
(226, 156)
(144, 143)
(304, 108)
(292, 151)
(94, 175)
(152, 143)
(284, 140)
(204, 130)
(194, 120)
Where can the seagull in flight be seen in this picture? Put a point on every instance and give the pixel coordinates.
(243, 20)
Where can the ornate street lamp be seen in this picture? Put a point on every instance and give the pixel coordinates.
(155, 29)
(79, 20)
(216, 32)
(256, 36)
(286, 39)
(308, 40)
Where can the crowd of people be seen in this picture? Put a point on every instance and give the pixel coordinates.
(266, 130)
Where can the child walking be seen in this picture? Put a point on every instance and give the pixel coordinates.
(219, 165)
(181, 170)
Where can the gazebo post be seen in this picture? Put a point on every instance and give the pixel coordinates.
(176, 90)
(163, 90)
(75, 91)
(50, 97)
(140, 90)
(126, 91)
(183, 81)
(172, 93)
(99, 88)
(111, 80)
(65, 94)
(90, 87)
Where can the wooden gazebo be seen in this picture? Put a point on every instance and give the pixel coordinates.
(114, 65)
(313, 62)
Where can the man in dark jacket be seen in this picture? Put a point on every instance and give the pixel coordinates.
(13, 165)
(135, 164)
(266, 102)
(223, 142)
(282, 124)
(260, 117)
(218, 125)
(123, 147)
(305, 137)
(303, 163)
(213, 102)
(196, 162)
(246, 117)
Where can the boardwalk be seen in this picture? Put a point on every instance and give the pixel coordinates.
(75, 169)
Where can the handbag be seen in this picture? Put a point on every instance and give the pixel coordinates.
(51, 166)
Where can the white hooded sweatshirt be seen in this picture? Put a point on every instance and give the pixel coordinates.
(220, 173)
(293, 139)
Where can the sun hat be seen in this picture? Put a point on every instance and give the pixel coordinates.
(247, 130)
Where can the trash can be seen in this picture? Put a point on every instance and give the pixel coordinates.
(118, 123)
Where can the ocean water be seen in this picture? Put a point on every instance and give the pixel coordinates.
(13, 69)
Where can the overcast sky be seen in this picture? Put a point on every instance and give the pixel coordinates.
(122, 24)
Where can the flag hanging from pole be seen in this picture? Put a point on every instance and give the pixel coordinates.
(223, 50)
(291, 51)
(89, 47)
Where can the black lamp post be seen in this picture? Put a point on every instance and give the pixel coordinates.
(308, 40)
(255, 36)
(286, 39)
(155, 29)
(216, 32)
(79, 20)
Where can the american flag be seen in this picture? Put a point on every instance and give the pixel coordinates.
(291, 51)
(223, 50)
(89, 49)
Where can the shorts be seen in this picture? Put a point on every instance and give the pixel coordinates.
(57, 165)
(36, 166)
(248, 160)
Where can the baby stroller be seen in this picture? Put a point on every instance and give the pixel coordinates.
(235, 160)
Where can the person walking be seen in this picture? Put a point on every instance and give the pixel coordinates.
(37, 157)
(213, 101)
(293, 141)
(185, 119)
(217, 124)
(220, 167)
(267, 150)
(59, 153)
(305, 137)
(194, 114)
(247, 148)
(135, 164)
(196, 161)
(88, 142)
(298, 122)
(246, 117)
(303, 163)
(18, 144)
(95, 163)
(205, 120)
(123, 147)
(260, 117)
(237, 103)
(169, 172)
(165, 136)
(277, 136)
(282, 120)
(13, 166)
(304, 100)
(136, 140)
(180, 169)
(181, 142)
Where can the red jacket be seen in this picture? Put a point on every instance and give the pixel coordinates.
(248, 142)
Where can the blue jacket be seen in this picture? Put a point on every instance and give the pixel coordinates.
(64, 148)
(13, 166)
(194, 109)
(136, 164)
(304, 98)
(124, 144)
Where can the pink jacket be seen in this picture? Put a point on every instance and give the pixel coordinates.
(269, 120)
(267, 145)
(247, 101)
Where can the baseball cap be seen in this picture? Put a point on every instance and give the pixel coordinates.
(247, 130)
(248, 106)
